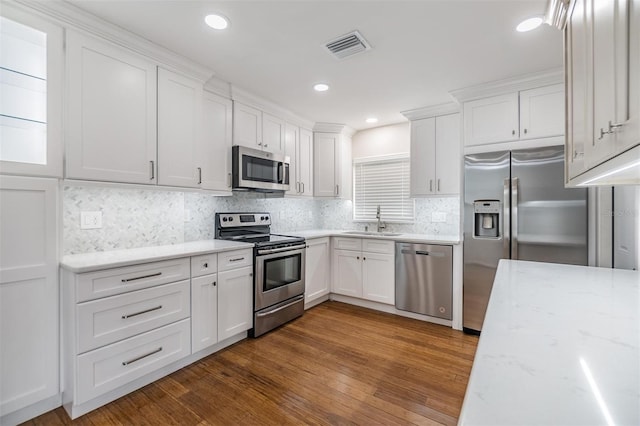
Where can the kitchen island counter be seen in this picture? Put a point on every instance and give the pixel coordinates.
(560, 345)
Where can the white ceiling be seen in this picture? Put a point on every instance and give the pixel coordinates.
(421, 49)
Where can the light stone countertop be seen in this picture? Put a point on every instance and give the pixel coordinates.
(560, 345)
(408, 238)
(88, 262)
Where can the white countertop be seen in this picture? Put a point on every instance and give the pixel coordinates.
(87, 262)
(409, 238)
(560, 345)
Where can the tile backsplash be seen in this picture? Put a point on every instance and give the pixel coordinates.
(137, 218)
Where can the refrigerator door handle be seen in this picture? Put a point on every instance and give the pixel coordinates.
(514, 218)
(506, 222)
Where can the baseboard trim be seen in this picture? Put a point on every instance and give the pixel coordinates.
(31, 411)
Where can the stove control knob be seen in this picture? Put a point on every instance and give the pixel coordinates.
(230, 219)
(224, 219)
(263, 218)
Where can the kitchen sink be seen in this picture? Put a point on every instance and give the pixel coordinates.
(382, 234)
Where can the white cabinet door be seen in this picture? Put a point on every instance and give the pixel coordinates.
(491, 120)
(610, 37)
(29, 316)
(235, 302)
(305, 163)
(347, 273)
(272, 133)
(31, 83)
(542, 112)
(179, 105)
(204, 312)
(423, 157)
(215, 144)
(247, 126)
(579, 96)
(291, 141)
(448, 157)
(325, 164)
(111, 126)
(378, 277)
(317, 269)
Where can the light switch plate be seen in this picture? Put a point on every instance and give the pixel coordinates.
(91, 220)
(438, 217)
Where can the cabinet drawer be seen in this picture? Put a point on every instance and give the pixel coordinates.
(342, 243)
(105, 321)
(115, 365)
(235, 259)
(204, 265)
(109, 282)
(378, 246)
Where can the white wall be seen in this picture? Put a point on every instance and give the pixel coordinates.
(385, 140)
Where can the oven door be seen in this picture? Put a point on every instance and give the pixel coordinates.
(279, 275)
(255, 169)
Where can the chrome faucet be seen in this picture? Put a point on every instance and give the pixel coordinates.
(381, 225)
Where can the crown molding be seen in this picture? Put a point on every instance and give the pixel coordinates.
(334, 128)
(240, 95)
(70, 16)
(509, 85)
(218, 86)
(431, 111)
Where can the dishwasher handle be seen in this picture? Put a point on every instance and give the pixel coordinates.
(423, 253)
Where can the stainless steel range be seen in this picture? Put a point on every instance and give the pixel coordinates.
(278, 268)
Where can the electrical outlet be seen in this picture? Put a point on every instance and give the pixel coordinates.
(438, 217)
(91, 220)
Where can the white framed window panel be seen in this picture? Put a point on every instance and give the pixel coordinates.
(382, 181)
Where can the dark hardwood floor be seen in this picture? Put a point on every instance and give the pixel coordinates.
(338, 364)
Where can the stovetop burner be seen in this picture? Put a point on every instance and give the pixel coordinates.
(251, 228)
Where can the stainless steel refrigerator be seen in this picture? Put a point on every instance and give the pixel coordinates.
(516, 207)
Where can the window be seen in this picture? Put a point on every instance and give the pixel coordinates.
(384, 182)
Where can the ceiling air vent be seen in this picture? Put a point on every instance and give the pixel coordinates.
(348, 45)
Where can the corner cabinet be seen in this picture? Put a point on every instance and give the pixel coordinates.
(332, 167)
(111, 98)
(435, 156)
(602, 53)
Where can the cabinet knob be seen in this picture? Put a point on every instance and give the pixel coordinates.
(364, 258)
(266, 146)
(214, 283)
(513, 132)
(525, 131)
(358, 257)
(250, 274)
(205, 265)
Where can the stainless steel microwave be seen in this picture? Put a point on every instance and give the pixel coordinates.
(259, 170)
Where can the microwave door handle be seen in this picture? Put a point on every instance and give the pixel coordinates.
(280, 172)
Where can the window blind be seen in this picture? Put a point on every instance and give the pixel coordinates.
(384, 183)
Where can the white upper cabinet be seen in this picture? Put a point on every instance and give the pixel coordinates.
(528, 114)
(491, 120)
(332, 165)
(247, 126)
(111, 128)
(435, 156)
(542, 112)
(602, 52)
(299, 149)
(215, 144)
(179, 106)
(273, 129)
(31, 82)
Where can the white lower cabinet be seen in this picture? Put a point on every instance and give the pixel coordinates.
(317, 267)
(235, 302)
(204, 312)
(366, 269)
(126, 326)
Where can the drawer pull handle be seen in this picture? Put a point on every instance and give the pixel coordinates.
(141, 357)
(126, 280)
(237, 259)
(141, 312)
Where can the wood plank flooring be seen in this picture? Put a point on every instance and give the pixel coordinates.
(338, 364)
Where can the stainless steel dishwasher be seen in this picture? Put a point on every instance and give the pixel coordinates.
(424, 279)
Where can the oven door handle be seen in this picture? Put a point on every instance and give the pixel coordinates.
(282, 249)
(293, 302)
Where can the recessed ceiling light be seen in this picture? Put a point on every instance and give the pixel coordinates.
(529, 24)
(372, 120)
(320, 87)
(217, 22)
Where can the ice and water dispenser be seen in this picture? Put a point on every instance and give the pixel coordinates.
(486, 218)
